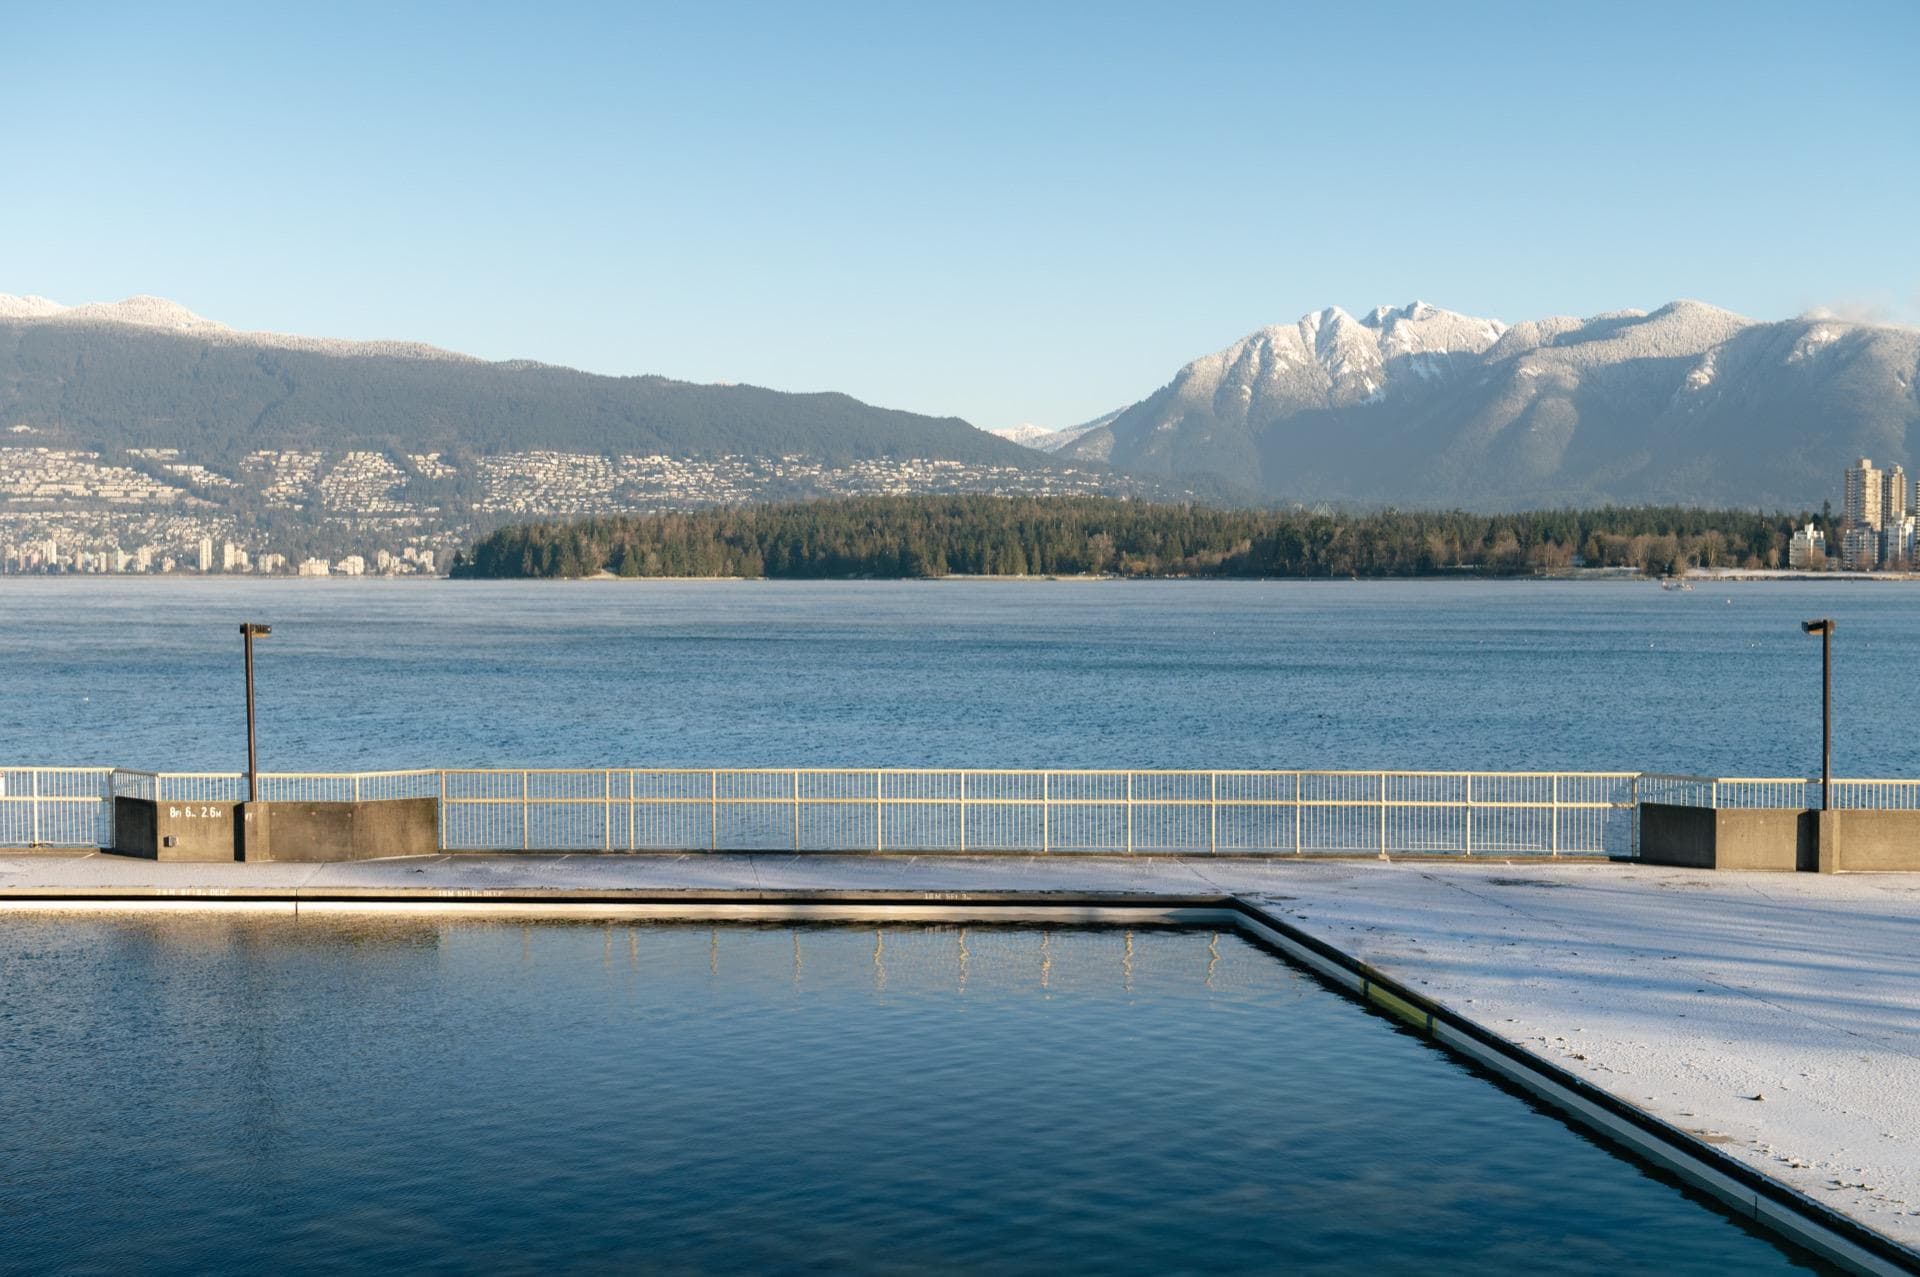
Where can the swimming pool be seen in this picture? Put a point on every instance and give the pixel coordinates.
(194, 1090)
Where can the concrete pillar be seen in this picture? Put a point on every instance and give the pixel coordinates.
(1827, 841)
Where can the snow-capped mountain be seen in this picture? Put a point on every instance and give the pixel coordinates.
(1041, 439)
(1026, 434)
(1416, 405)
(159, 314)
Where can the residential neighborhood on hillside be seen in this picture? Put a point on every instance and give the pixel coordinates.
(293, 511)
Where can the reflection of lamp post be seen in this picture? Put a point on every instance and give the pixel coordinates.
(248, 632)
(1824, 628)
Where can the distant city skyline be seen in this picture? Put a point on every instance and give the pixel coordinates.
(1001, 214)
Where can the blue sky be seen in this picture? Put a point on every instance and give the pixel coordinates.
(1006, 212)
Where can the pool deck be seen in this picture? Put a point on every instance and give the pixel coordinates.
(1774, 1016)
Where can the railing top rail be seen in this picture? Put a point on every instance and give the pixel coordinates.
(1683, 777)
(410, 771)
(988, 771)
(64, 771)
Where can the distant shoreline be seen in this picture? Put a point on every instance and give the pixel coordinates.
(1696, 576)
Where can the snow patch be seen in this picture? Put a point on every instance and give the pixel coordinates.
(161, 315)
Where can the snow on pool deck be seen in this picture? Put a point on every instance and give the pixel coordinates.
(1775, 1015)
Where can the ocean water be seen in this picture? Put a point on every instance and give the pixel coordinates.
(1615, 675)
(204, 1092)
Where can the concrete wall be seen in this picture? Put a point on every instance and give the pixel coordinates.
(175, 830)
(1869, 841)
(1672, 835)
(1780, 839)
(320, 832)
(1770, 839)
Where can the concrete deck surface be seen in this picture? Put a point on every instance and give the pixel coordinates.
(1775, 1015)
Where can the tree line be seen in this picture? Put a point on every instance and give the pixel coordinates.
(931, 536)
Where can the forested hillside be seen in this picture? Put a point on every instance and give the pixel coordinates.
(113, 386)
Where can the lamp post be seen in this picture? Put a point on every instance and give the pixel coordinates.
(249, 631)
(1824, 628)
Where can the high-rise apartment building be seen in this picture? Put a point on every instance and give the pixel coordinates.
(1865, 486)
(1893, 496)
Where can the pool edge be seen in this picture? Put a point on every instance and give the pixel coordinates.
(1774, 1205)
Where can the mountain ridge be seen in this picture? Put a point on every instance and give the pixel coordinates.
(146, 372)
(1420, 406)
(160, 314)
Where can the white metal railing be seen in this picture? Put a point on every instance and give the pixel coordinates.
(55, 807)
(1727, 792)
(1044, 812)
(976, 810)
(1778, 791)
(1265, 813)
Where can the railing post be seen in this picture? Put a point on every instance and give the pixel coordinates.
(1555, 817)
(33, 805)
(879, 816)
(632, 785)
(963, 811)
(1713, 796)
(1046, 814)
(1383, 815)
(1469, 813)
(1633, 828)
(796, 809)
(606, 809)
(526, 815)
(1298, 811)
(713, 810)
(1129, 813)
(441, 834)
(1213, 813)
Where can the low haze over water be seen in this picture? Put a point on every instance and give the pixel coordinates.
(1346, 674)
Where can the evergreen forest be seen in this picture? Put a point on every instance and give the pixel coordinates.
(934, 536)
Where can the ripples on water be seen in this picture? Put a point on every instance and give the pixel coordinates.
(255, 1093)
(1416, 675)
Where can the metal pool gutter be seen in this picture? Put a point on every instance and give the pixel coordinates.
(1769, 1203)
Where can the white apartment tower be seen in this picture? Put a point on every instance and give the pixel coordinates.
(1893, 496)
(1808, 547)
(1865, 486)
(1896, 543)
(1859, 548)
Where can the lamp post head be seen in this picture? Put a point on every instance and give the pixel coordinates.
(1822, 626)
(255, 630)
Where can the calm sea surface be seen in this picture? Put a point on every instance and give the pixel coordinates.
(1416, 675)
(225, 1092)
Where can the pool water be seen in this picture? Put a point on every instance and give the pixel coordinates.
(190, 1091)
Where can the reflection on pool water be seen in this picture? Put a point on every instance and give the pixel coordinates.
(199, 1090)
